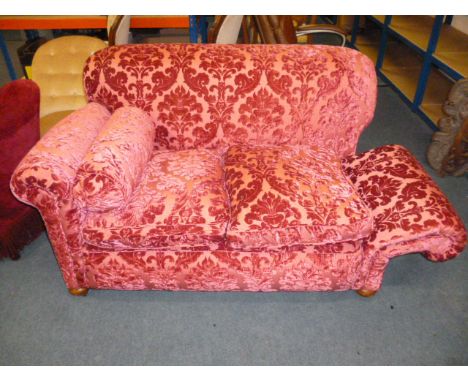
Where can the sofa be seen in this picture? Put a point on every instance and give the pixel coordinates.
(20, 224)
(230, 168)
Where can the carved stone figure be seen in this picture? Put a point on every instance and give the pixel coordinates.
(448, 151)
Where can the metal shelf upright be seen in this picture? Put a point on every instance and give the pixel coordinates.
(420, 57)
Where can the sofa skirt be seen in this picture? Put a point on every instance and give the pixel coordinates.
(339, 266)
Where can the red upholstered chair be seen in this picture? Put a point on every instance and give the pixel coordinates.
(19, 131)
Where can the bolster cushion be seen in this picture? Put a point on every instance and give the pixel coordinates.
(113, 166)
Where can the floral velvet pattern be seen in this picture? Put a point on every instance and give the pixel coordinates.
(45, 178)
(319, 268)
(113, 165)
(286, 195)
(179, 203)
(410, 212)
(167, 233)
(208, 96)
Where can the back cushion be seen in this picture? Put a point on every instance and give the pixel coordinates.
(209, 96)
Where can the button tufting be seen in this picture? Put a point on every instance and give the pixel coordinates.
(58, 68)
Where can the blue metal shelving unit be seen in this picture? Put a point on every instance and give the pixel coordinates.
(429, 59)
(198, 27)
(7, 57)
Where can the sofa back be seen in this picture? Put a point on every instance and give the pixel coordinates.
(214, 96)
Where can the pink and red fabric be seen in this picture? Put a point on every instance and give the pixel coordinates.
(179, 203)
(212, 96)
(289, 195)
(115, 161)
(410, 212)
(241, 175)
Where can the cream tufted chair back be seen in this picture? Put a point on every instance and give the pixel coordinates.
(57, 68)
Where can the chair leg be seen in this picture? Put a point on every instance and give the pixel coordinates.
(78, 291)
(366, 292)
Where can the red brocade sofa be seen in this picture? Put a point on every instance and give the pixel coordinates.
(230, 167)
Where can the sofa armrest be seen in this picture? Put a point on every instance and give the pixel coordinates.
(411, 214)
(45, 177)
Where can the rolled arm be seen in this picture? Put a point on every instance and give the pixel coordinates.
(45, 177)
(411, 214)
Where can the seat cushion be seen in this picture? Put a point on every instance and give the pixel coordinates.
(289, 195)
(180, 203)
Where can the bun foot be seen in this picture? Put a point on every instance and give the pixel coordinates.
(366, 292)
(78, 291)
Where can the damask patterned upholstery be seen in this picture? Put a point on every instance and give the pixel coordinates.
(411, 213)
(116, 160)
(218, 95)
(287, 195)
(179, 203)
(247, 140)
(319, 268)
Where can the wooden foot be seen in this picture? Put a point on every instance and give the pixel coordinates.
(15, 257)
(78, 291)
(366, 292)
